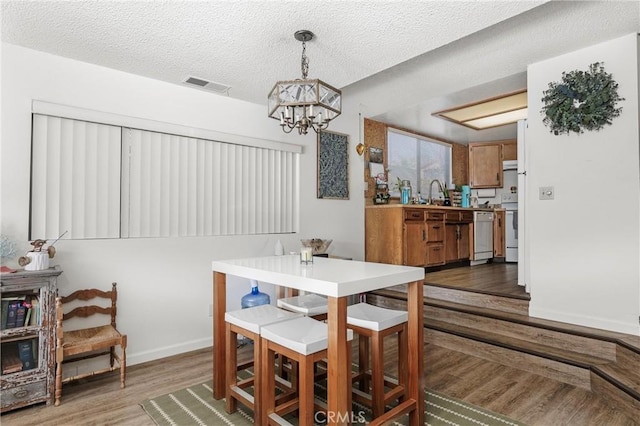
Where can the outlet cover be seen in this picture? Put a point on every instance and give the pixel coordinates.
(546, 192)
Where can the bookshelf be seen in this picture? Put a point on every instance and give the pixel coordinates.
(27, 337)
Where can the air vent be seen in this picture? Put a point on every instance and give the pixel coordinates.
(207, 85)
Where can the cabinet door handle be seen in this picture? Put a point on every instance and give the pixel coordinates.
(436, 227)
(498, 177)
(499, 221)
(424, 235)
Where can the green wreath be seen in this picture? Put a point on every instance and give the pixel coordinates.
(584, 100)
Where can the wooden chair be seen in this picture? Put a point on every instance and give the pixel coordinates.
(80, 344)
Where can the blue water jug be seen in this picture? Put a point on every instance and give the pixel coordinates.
(255, 298)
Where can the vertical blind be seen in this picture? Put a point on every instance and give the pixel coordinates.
(100, 181)
(180, 186)
(75, 179)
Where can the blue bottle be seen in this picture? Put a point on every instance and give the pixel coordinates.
(255, 298)
(405, 192)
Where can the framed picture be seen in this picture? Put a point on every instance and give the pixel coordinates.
(375, 155)
(333, 165)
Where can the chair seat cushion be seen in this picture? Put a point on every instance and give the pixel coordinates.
(303, 335)
(87, 339)
(374, 317)
(307, 304)
(254, 318)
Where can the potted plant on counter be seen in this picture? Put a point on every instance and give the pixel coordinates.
(445, 193)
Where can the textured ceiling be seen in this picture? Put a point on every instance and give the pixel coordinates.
(248, 45)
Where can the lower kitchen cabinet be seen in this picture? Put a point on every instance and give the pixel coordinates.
(415, 249)
(435, 238)
(457, 242)
(458, 239)
(416, 235)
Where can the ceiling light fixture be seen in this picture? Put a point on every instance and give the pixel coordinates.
(302, 103)
(494, 112)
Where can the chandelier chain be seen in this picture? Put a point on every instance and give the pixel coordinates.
(304, 62)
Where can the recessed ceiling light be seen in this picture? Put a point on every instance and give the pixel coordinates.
(493, 112)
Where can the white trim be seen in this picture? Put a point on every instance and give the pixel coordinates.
(585, 321)
(66, 111)
(167, 351)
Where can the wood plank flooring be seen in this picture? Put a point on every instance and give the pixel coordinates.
(492, 278)
(526, 397)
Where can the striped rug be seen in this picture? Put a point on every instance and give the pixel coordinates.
(195, 406)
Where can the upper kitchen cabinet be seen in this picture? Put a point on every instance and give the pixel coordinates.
(485, 162)
(509, 150)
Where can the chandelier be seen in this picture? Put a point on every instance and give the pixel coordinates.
(302, 103)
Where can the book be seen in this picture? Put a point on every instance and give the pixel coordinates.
(21, 313)
(4, 308)
(27, 317)
(25, 352)
(11, 362)
(12, 312)
(35, 308)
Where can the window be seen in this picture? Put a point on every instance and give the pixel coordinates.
(104, 181)
(418, 159)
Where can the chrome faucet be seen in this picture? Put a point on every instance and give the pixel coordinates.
(430, 200)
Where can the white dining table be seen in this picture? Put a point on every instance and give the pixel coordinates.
(337, 279)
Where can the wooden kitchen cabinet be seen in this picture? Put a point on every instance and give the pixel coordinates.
(457, 236)
(485, 162)
(499, 239)
(509, 150)
(435, 238)
(415, 249)
(28, 343)
(404, 235)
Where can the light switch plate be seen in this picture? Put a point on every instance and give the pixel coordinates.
(546, 192)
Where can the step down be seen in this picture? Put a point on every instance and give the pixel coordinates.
(544, 347)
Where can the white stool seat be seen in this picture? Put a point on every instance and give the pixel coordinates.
(374, 317)
(308, 304)
(303, 335)
(254, 318)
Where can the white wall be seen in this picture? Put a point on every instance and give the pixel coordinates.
(164, 284)
(584, 246)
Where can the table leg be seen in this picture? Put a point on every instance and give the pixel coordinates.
(415, 330)
(219, 344)
(339, 369)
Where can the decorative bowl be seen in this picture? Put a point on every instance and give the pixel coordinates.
(318, 245)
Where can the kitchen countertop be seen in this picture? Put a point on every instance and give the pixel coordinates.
(434, 207)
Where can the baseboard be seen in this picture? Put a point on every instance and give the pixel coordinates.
(167, 351)
(585, 321)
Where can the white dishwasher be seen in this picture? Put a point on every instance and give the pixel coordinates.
(482, 236)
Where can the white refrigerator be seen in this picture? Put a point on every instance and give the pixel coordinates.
(522, 205)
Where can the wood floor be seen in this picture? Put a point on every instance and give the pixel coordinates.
(525, 397)
(492, 278)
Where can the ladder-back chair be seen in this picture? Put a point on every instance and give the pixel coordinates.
(85, 343)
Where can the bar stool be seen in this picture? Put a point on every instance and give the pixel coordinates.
(311, 305)
(373, 324)
(248, 322)
(305, 341)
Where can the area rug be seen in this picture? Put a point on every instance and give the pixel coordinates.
(195, 406)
